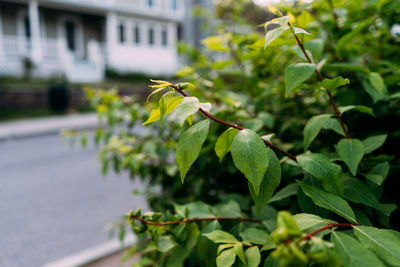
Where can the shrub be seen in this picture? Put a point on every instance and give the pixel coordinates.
(301, 120)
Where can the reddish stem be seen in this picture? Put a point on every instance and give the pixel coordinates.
(212, 117)
(328, 226)
(333, 103)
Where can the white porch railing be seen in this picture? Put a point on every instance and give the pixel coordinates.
(15, 47)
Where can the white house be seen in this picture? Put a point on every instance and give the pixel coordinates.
(79, 38)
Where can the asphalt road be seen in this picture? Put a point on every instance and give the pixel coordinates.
(54, 201)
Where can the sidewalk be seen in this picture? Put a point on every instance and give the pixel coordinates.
(45, 126)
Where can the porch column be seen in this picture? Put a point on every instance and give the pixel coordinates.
(111, 35)
(36, 51)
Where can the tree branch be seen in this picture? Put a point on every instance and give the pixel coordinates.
(333, 103)
(212, 117)
(195, 220)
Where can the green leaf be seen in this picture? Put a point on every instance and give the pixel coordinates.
(187, 107)
(250, 156)
(224, 143)
(168, 104)
(316, 47)
(352, 253)
(216, 43)
(360, 108)
(378, 173)
(287, 191)
(226, 258)
(253, 257)
(238, 248)
(189, 146)
(255, 236)
(372, 143)
(271, 181)
(296, 74)
(323, 170)
(358, 192)
(352, 152)
(313, 127)
(333, 124)
(370, 89)
(377, 81)
(219, 236)
(385, 243)
(300, 30)
(332, 84)
(166, 243)
(154, 116)
(329, 201)
(273, 34)
(309, 222)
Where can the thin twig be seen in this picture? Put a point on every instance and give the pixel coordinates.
(333, 103)
(326, 227)
(196, 220)
(212, 117)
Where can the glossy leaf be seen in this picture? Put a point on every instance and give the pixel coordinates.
(273, 34)
(329, 201)
(353, 253)
(352, 152)
(250, 156)
(313, 127)
(372, 143)
(287, 191)
(308, 222)
(296, 74)
(189, 146)
(325, 171)
(271, 181)
(384, 242)
(224, 143)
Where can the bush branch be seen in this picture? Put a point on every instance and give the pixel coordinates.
(333, 103)
(195, 220)
(212, 117)
(326, 227)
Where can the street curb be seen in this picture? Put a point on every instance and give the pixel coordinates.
(46, 126)
(93, 254)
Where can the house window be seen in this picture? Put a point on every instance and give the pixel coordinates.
(151, 36)
(136, 34)
(121, 30)
(174, 4)
(164, 37)
(70, 35)
(150, 3)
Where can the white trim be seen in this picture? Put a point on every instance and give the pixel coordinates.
(79, 35)
(1, 35)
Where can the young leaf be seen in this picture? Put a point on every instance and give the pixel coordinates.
(238, 248)
(313, 127)
(250, 156)
(376, 81)
(224, 143)
(253, 257)
(308, 222)
(378, 173)
(187, 107)
(219, 236)
(296, 74)
(324, 170)
(372, 143)
(352, 152)
(189, 146)
(384, 242)
(273, 34)
(169, 104)
(226, 258)
(332, 84)
(270, 182)
(154, 116)
(329, 201)
(352, 253)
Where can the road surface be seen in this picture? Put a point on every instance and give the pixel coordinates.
(54, 201)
